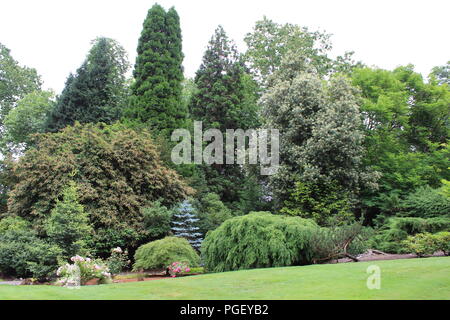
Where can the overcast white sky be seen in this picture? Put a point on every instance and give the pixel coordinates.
(54, 36)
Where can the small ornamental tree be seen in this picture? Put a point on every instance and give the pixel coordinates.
(68, 225)
(184, 224)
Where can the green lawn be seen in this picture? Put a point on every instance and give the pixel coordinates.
(427, 278)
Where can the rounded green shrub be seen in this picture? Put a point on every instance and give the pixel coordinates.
(161, 253)
(258, 240)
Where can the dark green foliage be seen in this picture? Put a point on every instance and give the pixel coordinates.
(326, 204)
(23, 254)
(157, 92)
(212, 212)
(225, 98)
(259, 240)
(68, 224)
(184, 224)
(160, 254)
(425, 202)
(97, 92)
(337, 242)
(117, 171)
(157, 218)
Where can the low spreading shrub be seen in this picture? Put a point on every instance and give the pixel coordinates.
(258, 240)
(161, 253)
(421, 244)
(178, 268)
(442, 240)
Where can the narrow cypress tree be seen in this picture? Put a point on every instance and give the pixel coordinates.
(97, 92)
(156, 93)
(184, 224)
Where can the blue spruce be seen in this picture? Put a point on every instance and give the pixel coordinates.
(184, 224)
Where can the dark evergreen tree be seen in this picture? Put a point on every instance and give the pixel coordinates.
(225, 98)
(156, 99)
(97, 91)
(184, 221)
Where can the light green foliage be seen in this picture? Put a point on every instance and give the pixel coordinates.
(68, 224)
(157, 218)
(13, 223)
(442, 73)
(160, 254)
(442, 240)
(421, 244)
(258, 240)
(16, 82)
(212, 212)
(27, 118)
(325, 204)
(270, 42)
(389, 238)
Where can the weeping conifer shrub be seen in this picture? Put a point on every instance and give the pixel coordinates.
(259, 240)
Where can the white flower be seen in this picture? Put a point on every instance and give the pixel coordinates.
(117, 250)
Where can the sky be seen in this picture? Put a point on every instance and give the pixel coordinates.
(54, 36)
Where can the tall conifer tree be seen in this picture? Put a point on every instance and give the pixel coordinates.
(156, 93)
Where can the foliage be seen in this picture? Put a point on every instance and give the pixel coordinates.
(13, 223)
(421, 244)
(211, 212)
(157, 219)
(425, 202)
(117, 171)
(320, 126)
(270, 42)
(336, 242)
(442, 73)
(86, 268)
(23, 254)
(156, 99)
(225, 98)
(27, 118)
(68, 224)
(184, 224)
(16, 82)
(442, 240)
(118, 260)
(389, 238)
(258, 240)
(97, 91)
(178, 268)
(325, 204)
(160, 253)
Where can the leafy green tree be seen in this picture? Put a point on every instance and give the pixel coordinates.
(15, 82)
(117, 171)
(212, 212)
(269, 42)
(68, 224)
(157, 219)
(320, 128)
(442, 73)
(27, 118)
(97, 91)
(156, 99)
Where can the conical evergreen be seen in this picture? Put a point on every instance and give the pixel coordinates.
(97, 91)
(156, 93)
(184, 224)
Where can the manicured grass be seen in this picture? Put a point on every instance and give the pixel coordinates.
(427, 278)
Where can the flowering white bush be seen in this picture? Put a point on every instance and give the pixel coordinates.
(84, 269)
(178, 268)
